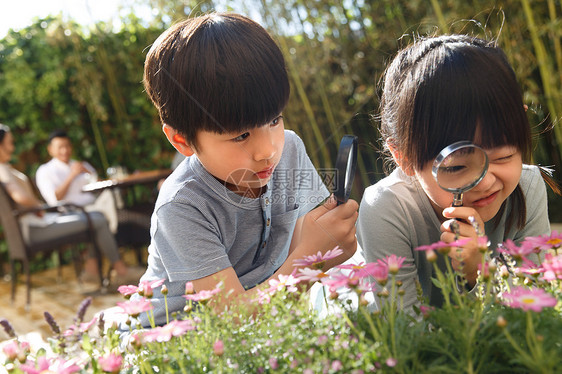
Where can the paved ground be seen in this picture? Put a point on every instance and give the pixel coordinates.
(60, 297)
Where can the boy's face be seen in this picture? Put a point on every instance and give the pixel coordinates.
(244, 162)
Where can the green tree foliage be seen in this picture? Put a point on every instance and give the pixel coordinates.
(55, 74)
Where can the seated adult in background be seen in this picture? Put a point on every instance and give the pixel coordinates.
(50, 225)
(62, 179)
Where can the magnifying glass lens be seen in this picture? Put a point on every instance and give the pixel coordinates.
(459, 167)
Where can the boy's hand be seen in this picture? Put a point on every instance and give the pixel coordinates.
(469, 256)
(329, 226)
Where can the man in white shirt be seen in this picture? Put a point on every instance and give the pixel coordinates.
(62, 179)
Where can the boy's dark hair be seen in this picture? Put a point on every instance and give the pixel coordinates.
(444, 89)
(220, 72)
(57, 134)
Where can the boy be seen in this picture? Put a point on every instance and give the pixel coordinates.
(235, 210)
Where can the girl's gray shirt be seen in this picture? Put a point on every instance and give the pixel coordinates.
(396, 216)
(199, 227)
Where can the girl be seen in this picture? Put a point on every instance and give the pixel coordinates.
(52, 225)
(438, 91)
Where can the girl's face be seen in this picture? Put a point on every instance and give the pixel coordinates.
(6, 147)
(486, 198)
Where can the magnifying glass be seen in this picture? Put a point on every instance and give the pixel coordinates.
(460, 167)
(346, 163)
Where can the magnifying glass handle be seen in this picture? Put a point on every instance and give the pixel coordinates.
(457, 199)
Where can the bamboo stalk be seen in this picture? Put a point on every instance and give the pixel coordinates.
(544, 69)
(90, 109)
(440, 17)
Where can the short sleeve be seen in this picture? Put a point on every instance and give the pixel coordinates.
(200, 254)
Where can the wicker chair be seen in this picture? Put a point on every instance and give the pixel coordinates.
(19, 250)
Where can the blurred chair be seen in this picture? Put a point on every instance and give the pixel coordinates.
(21, 251)
(133, 229)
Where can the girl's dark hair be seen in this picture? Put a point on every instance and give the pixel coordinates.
(3, 130)
(444, 89)
(220, 72)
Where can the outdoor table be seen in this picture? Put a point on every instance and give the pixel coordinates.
(136, 178)
(134, 216)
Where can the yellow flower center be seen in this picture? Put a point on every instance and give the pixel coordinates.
(528, 300)
(555, 242)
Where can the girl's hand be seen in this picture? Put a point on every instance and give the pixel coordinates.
(466, 258)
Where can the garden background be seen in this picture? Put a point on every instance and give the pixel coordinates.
(88, 80)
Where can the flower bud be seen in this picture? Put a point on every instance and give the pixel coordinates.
(383, 293)
(430, 255)
(189, 289)
(501, 322)
(164, 290)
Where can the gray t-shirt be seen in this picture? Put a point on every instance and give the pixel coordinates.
(396, 216)
(199, 227)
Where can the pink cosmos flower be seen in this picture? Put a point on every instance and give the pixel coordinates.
(189, 288)
(218, 347)
(205, 295)
(127, 291)
(11, 349)
(545, 242)
(438, 246)
(337, 365)
(144, 288)
(58, 365)
(136, 307)
(264, 297)
(393, 262)
(391, 362)
(311, 275)
(111, 363)
(517, 252)
(82, 328)
(361, 270)
(287, 282)
(166, 332)
(318, 260)
(552, 266)
(273, 363)
(444, 248)
(336, 281)
(534, 299)
(530, 268)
